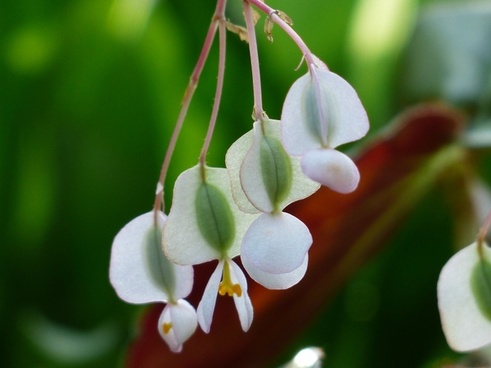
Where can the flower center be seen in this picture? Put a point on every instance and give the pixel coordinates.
(227, 286)
(166, 327)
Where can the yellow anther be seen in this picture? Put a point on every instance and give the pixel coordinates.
(226, 286)
(229, 289)
(166, 327)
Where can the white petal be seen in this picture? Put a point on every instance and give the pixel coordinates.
(296, 137)
(276, 243)
(233, 161)
(346, 119)
(465, 327)
(177, 323)
(243, 162)
(139, 272)
(183, 242)
(279, 281)
(206, 306)
(251, 176)
(183, 281)
(243, 303)
(331, 168)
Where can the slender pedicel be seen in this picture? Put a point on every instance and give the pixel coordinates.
(222, 32)
(159, 203)
(481, 236)
(273, 15)
(256, 73)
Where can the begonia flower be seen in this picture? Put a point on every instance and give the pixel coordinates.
(321, 112)
(250, 186)
(205, 224)
(266, 179)
(140, 274)
(464, 298)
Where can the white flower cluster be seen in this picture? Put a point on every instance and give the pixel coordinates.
(221, 213)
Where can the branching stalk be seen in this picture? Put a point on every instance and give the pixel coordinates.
(273, 15)
(218, 16)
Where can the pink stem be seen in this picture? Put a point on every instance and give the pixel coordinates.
(481, 236)
(222, 31)
(256, 73)
(272, 13)
(159, 203)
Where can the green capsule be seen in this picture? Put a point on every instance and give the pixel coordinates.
(214, 216)
(276, 170)
(481, 287)
(161, 269)
(319, 109)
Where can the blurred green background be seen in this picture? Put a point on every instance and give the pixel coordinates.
(89, 93)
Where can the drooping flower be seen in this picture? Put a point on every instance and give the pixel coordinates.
(204, 224)
(321, 112)
(464, 298)
(140, 274)
(266, 179)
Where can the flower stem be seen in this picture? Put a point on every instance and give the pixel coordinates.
(481, 236)
(159, 203)
(256, 73)
(273, 15)
(222, 32)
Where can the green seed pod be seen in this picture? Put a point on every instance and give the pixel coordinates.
(481, 287)
(161, 269)
(214, 217)
(276, 170)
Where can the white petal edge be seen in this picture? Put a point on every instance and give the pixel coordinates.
(331, 168)
(273, 281)
(251, 177)
(276, 243)
(206, 306)
(295, 135)
(243, 303)
(129, 271)
(233, 161)
(347, 116)
(182, 316)
(464, 326)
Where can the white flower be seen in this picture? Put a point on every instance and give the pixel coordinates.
(321, 112)
(253, 182)
(204, 224)
(464, 298)
(177, 323)
(265, 179)
(140, 273)
(275, 250)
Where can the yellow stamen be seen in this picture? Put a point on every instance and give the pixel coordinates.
(226, 286)
(166, 327)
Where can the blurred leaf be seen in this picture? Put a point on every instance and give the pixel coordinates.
(449, 56)
(397, 169)
(65, 346)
